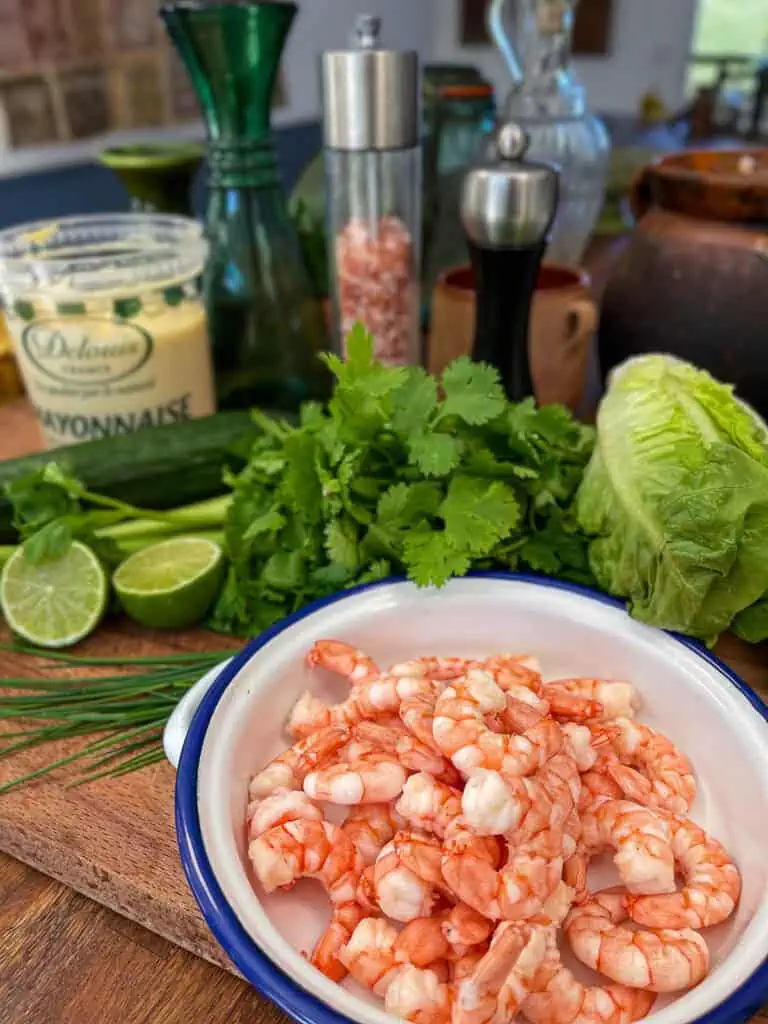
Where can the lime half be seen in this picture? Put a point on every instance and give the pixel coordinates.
(57, 602)
(172, 584)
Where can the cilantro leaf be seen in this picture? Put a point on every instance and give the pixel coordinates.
(473, 392)
(434, 454)
(431, 558)
(414, 402)
(341, 542)
(402, 505)
(479, 513)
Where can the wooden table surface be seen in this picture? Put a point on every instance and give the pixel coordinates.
(66, 960)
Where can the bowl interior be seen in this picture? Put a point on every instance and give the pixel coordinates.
(684, 695)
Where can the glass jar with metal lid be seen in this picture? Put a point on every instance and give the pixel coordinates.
(373, 185)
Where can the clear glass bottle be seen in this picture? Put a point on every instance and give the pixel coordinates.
(373, 186)
(547, 100)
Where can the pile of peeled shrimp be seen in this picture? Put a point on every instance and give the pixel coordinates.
(478, 794)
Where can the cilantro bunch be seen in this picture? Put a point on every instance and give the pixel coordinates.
(400, 476)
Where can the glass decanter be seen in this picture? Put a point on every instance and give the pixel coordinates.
(266, 326)
(534, 37)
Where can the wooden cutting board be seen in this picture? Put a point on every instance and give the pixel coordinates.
(114, 840)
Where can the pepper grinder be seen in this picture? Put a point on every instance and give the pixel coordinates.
(507, 208)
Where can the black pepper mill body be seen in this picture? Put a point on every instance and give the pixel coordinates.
(507, 209)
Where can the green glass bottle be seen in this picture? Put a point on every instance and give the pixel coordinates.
(266, 326)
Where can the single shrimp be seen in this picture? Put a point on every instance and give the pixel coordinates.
(439, 670)
(495, 805)
(712, 883)
(558, 998)
(370, 778)
(280, 807)
(369, 955)
(307, 849)
(504, 976)
(370, 827)
(515, 892)
(428, 804)
(595, 785)
(420, 996)
(577, 741)
(289, 769)
(641, 839)
(417, 712)
(464, 929)
(461, 732)
(343, 660)
(512, 670)
(407, 876)
(393, 736)
(592, 698)
(375, 951)
(661, 961)
(672, 782)
(371, 699)
(325, 956)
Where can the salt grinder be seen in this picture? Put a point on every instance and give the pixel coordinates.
(373, 178)
(507, 209)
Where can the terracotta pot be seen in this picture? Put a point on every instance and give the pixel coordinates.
(693, 280)
(563, 319)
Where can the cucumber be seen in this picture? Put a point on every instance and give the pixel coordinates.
(155, 468)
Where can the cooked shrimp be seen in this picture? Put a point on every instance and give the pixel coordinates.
(464, 928)
(375, 951)
(343, 660)
(280, 807)
(369, 955)
(514, 892)
(592, 698)
(503, 978)
(558, 998)
(420, 996)
(417, 712)
(393, 736)
(595, 785)
(307, 849)
(439, 670)
(494, 805)
(289, 769)
(461, 732)
(641, 839)
(325, 956)
(660, 961)
(407, 876)
(428, 804)
(712, 883)
(370, 778)
(668, 769)
(577, 741)
(370, 827)
(374, 698)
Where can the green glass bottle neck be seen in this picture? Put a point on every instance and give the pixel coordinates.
(242, 163)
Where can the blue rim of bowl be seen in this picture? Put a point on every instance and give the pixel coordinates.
(270, 980)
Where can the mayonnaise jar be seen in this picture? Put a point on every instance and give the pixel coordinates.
(107, 322)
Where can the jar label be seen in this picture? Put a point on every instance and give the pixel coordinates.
(90, 377)
(97, 353)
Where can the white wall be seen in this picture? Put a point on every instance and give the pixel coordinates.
(328, 24)
(651, 39)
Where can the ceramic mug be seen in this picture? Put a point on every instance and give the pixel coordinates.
(563, 320)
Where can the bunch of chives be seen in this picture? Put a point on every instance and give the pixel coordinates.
(126, 712)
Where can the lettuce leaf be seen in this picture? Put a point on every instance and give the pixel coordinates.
(676, 497)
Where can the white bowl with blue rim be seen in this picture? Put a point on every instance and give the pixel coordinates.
(232, 723)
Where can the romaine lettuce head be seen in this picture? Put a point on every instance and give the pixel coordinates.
(676, 497)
